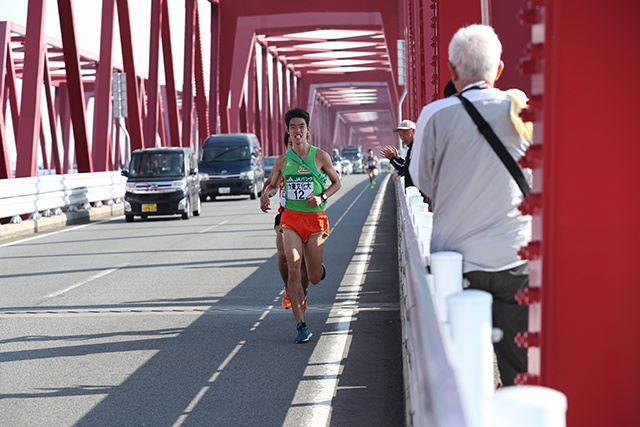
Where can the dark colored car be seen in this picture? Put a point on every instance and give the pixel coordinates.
(162, 181)
(231, 165)
(269, 162)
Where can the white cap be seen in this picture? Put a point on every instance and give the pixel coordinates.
(405, 125)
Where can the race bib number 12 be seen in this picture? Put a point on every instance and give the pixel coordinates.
(299, 187)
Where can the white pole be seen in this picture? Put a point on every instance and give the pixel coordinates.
(527, 406)
(470, 326)
(446, 268)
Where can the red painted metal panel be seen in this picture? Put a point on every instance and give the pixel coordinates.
(28, 130)
(76, 90)
(514, 37)
(591, 229)
(451, 17)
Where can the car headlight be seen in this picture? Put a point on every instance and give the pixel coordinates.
(246, 175)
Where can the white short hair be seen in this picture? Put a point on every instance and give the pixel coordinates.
(475, 53)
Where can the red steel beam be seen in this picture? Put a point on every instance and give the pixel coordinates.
(201, 95)
(187, 85)
(5, 164)
(62, 103)
(76, 90)
(213, 73)
(171, 98)
(590, 243)
(153, 85)
(28, 130)
(134, 108)
(53, 127)
(103, 116)
(265, 113)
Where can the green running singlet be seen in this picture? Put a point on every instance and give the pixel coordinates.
(300, 183)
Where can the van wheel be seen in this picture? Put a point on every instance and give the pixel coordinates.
(254, 193)
(128, 218)
(187, 211)
(203, 197)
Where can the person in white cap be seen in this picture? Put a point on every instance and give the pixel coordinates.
(406, 131)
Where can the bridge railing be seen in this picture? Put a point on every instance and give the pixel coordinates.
(447, 340)
(52, 194)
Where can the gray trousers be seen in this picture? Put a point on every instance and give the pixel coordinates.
(507, 315)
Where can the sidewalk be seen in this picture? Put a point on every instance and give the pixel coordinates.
(30, 226)
(371, 387)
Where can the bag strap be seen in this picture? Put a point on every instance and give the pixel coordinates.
(486, 130)
(314, 171)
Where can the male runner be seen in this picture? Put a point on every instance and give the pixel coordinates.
(372, 166)
(303, 223)
(282, 260)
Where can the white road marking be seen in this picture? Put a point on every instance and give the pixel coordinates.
(213, 226)
(82, 283)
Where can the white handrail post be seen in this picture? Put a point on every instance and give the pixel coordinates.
(446, 268)
(527, 406)
(470, 326)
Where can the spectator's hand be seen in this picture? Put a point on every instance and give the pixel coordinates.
(389, 152)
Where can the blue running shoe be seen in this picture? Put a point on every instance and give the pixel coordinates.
(303, 333)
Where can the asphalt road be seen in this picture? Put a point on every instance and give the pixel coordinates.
(167, 322)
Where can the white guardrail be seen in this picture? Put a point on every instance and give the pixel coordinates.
(52, 194)
(447, 340)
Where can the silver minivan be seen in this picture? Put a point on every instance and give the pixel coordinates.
(162, 181)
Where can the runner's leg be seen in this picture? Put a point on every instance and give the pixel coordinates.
(293, 248)
(313, 254)
(282, 259)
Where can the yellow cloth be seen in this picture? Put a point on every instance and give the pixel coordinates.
(518, 103)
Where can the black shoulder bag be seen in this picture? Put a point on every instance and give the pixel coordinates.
(497, 145)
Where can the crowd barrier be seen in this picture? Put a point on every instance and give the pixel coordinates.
(447, 339)
(53, 194)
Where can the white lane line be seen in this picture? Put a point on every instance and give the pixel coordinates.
(213, 226)
(346, 211)
(82, 283)
(311, 405)
(191, 406)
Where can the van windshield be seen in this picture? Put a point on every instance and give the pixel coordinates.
(225, 153)
(156, 165)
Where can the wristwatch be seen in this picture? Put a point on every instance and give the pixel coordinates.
(324, 197)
